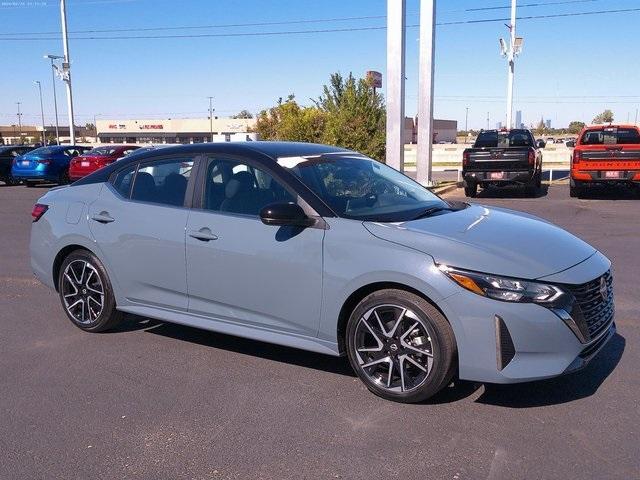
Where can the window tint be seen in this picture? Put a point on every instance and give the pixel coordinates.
(122, 181)
(236, 187)
(500, 139)
(163, 181)
(611, 136)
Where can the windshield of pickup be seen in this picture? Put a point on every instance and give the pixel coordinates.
(357, 187)
(611, 136)
(504, 139)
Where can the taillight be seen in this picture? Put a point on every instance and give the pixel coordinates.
(532, 158)
(44, 161)
(39, 209)
(465, 158)
(577, 156)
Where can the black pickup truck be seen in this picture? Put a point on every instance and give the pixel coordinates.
(502, 157)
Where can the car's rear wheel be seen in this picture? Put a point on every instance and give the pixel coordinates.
(470, 189)
(575, 189)
(86, 293)
(10, 180)
(63, 178)
(30, 184)
(401, 346)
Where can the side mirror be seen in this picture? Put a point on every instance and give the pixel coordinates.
(571, 144)
(281, 214)
(541, 144)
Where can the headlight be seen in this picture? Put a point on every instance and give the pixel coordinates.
(505, 289)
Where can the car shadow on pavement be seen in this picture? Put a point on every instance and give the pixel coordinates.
(566, 388)
(512, 191)
(255, 348)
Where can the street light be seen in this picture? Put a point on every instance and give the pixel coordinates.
(211, 118)
(44, 140)
(510, 52)
(55, 100)
(66, 70)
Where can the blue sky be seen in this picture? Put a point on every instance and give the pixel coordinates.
(571, 68)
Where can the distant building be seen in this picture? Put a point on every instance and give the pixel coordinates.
(547, 123)
(32, 134)
(179, 130)
(519, 123)
(499, 126)
(443, 130)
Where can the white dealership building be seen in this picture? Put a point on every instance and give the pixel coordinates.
(177, 130)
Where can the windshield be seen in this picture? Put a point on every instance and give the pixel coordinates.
(101, 152)
(357, 187)
(500, 139)
(611, 136)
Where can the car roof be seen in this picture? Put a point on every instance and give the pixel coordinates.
(264, 150)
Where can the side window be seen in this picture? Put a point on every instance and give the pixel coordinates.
(124, 178)
(236, 187)
(163, 181)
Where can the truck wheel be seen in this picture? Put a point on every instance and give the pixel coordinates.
(539, 180)
(471, 189)
(575, 189)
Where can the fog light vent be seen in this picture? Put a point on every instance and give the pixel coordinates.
(505, 350)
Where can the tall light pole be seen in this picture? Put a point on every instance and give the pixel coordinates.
(396, 13)
(466, 121)
(425, 91)
(55, 100)
(210, 119)
(510, 52)
(66, 71)
(37, 82)
(19, 122)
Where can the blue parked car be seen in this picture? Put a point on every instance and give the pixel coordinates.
(46, 164)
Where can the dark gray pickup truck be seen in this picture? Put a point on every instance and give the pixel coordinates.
(502, 157)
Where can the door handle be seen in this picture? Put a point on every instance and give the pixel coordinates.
(103, 217)
(204, 234)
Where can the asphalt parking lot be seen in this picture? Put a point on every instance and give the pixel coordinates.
(162, 401)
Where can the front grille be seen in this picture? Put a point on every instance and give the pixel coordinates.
(594, 308)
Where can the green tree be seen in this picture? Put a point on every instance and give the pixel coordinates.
(604, 117)
(541, 128)
(576, 126)
(243, 114)
(355, 115)
(289, 121)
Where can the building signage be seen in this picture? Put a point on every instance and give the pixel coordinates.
(117, 126)
(151, 127)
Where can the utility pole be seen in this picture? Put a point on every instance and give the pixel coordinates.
(636, 122)
(211, 118)
(510, 52)
(466, 121)
(396, 13)
(44, 141)
(55, 100)
(66, 71)
(19, 121)
(488, 120)
(425, 91)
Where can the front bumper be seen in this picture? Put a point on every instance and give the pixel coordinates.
(520, 176)
(501, 342)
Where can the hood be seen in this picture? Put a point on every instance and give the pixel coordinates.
(489, 240)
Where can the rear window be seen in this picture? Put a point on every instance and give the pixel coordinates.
(102, 151)
(499, 139)
(611, 136)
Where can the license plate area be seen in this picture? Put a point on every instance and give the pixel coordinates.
(84, 164)
(25, 163)
(496, 175)
(613, 174)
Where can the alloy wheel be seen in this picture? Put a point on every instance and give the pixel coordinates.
(394, 348)
(82, 291)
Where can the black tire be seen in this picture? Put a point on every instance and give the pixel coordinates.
(471, 189)
(10, 181)
(575, 189)
(108, 317)
(30, 184)
(438, 333)
(539, 180)
(63, 178)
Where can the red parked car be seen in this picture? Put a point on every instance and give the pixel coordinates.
(96, 158)
(606, 154)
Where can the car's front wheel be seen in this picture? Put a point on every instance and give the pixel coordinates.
(86, 293)
(400, 346)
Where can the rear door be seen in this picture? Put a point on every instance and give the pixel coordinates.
(242, 271)
(139, 224)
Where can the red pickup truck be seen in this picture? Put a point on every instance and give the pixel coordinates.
(606, 154)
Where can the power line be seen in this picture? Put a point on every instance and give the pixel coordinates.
(328, 30)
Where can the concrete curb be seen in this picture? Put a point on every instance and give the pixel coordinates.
(442, 189)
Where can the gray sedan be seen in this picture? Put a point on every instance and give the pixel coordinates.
(324, 249)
